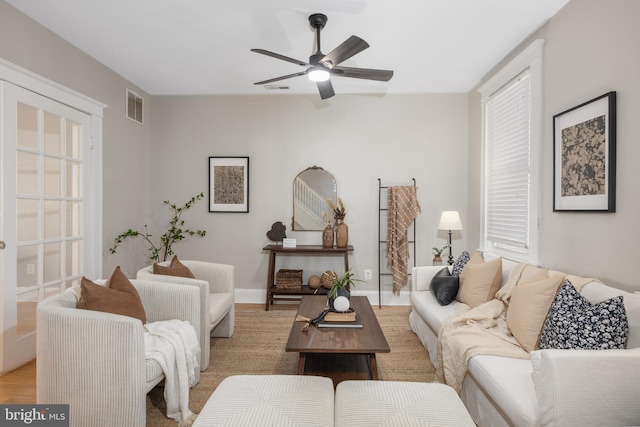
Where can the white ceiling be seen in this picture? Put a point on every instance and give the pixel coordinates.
(180, 47)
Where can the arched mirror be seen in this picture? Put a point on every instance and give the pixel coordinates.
(311, 189)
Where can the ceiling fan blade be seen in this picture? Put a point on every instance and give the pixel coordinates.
(346, 50)
(326, 89)
(264, 82)
(363, 73)
(281, 57)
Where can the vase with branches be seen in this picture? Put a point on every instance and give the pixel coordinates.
(176, 231)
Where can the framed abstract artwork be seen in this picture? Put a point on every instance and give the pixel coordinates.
(229, 184)
(584, 157)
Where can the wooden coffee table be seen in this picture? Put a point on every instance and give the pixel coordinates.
(338, 353)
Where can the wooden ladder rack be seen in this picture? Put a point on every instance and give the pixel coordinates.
(382, 243)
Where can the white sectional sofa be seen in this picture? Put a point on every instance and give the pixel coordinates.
(553, 387)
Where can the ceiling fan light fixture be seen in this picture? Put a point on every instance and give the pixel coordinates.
(319, 74)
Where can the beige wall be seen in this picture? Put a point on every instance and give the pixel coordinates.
(357, 138)
(591, 47)
(125, 143)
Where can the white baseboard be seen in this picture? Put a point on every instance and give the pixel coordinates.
(257, 296)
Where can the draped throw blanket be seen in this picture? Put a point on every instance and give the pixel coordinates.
(174, 345)
(402, 209)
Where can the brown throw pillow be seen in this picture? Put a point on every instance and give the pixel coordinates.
(176, 268)
(480, 282)
(528, 308)
(117, 296)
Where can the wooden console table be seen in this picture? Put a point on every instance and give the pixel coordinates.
(274, 294)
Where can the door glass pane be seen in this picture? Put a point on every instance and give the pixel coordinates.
(51, 291)
(27, 266)
(52, 219)
(70, 283)
(27, 219)
(27, 304)
(74, 219)
(74, 140)
(73, 179)
(27, 167)
(74, 258)
(27, 127)
(52, 138)
(52, 259)
(52, 170)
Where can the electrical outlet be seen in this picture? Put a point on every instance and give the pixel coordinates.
(367, 275)
(31, 269)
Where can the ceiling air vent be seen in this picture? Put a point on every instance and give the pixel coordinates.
(134, 106)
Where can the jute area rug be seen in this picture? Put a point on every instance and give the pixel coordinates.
(257, 347)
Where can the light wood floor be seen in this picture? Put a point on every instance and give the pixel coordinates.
(19, 386)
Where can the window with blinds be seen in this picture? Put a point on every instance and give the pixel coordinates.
(507, 166)
(511, 103)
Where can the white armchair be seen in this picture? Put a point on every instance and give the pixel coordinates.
(217, 299)
(95, 361)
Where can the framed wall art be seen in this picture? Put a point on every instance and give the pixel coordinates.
(584, 157)
(229, 184)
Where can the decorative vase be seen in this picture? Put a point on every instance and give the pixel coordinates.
(327, 237)
(342, 292)
(342, 234)
(437, 260)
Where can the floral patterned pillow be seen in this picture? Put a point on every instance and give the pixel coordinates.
(459, 264)
(574, 323)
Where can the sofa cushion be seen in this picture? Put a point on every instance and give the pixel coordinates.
(176, 268)
(507, 383)
(444, 286)
(596, 292)
(480, 282)
(528, 307)
(459, 263)
(427, 307)
(574, 323)
(117, 296)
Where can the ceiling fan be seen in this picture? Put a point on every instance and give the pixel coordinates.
(321, 67)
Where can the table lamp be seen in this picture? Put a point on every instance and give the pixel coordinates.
(449, 221)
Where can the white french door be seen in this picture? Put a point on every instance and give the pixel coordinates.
(46, 216)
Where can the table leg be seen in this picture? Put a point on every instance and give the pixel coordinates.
(301, 362)
(373, 366)
(270, 275)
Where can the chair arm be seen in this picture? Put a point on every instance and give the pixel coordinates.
(421, 277)
(93, 360)
(219, 276)
(166, 301)
(587, 387)
(153, 292)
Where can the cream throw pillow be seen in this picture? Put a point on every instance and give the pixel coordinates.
(479, 282)
(528, 308)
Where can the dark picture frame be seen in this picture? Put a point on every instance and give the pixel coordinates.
(584, 157)
(229, 184)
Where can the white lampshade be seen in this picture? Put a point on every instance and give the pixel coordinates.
(450, 220)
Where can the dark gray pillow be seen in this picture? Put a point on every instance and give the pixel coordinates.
(445, 286)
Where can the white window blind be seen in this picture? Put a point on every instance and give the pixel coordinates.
(508, 166)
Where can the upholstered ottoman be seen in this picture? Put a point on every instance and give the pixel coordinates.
(269, 400)
(402, 404)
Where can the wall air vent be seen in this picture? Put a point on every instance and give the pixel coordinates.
(276, 87)
(134, 106)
